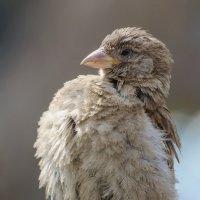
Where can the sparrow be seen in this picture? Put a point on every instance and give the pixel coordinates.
(110, 136)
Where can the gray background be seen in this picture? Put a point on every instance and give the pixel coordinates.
(41, 46)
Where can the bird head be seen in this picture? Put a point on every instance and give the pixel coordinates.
(132, 55)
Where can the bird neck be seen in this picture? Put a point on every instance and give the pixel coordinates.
(152, 99)
(152, 94)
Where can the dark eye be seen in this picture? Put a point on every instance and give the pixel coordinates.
(126, 52)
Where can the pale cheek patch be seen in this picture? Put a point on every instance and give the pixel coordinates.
(143, 68)
(146, 65)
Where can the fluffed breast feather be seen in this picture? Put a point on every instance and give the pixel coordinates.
(94, 144)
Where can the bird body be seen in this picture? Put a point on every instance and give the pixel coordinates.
(98, 142)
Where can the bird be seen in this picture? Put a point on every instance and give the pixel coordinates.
(110, 136)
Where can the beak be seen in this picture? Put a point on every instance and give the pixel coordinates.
(99, 59)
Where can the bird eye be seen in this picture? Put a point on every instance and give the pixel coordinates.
(126, 52)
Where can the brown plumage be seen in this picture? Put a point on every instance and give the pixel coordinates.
(162, 119)
(110, 137)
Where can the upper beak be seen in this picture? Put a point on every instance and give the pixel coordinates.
(99, 59)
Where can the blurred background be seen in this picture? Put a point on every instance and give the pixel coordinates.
(41, 46)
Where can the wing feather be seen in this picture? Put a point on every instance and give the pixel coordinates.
(54, 149)
(162, 119)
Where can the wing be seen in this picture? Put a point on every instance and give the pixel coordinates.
(162, 119)
(54, 147)
(56, 144)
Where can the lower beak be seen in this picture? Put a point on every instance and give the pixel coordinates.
(99, 59)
